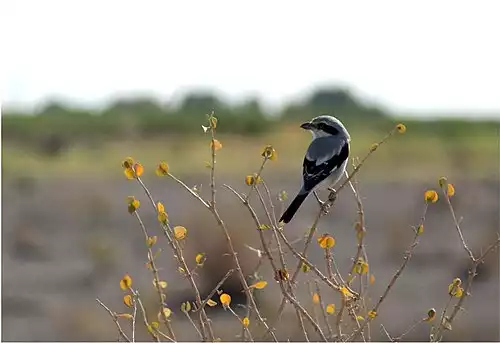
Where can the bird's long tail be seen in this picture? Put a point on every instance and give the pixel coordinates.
(293, 207)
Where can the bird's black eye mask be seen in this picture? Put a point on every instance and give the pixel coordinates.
(327, 128)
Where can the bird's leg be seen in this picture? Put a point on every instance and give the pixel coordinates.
(320, 202)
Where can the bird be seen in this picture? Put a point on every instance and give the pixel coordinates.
(325, 160)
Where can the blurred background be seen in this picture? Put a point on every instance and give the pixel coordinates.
(89, 83)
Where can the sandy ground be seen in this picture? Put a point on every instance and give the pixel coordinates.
(68, 241)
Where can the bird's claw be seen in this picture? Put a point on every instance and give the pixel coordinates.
(333, 194)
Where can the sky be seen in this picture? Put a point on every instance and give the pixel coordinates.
(413, 57)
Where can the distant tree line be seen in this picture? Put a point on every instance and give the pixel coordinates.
(57, 124)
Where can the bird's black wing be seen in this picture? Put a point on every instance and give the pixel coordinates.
(321, 161)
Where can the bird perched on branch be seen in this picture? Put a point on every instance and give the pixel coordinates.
(325, 161)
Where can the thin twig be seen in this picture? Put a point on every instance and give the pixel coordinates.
(406, 258)
(323, 311)
(115, 319)
(211, 294)
(192, 323)
(241, 321)
(410, 329)
(386, 332)
(134, 316)
(457, 226)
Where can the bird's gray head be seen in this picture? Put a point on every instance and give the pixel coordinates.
(325, 125)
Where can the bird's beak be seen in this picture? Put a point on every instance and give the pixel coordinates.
(306, 126)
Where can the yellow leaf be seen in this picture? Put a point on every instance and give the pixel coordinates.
(372, 279)
(213, 122)
(127, 300)
(361, 267)
(450, 190)
(163, 284)
(269, 153)
(315, 298)
(420, 229)
(215, 145)
(160, 207)
(186, 307)
(152, 241)
(259, 284)
(330, 308)
(180, 232)
(454, 288)
(162, 217)
(249, 180)
(431, 314)
(431, 196)
(200, 259)
(305, 267)
(133, 204)
(225, 299)
(401, 128)
(373, 147)
(372, 314)
(360, 318)
(128, 163)
(162, 169)
(139, 169)
(211, 303)
(326, 241)
(155, 325)
(126, 282)
(281, 275)
(129, 173)
(166, 311)
(245, 322)
(442, 181)
(346, 292)
(125, 315)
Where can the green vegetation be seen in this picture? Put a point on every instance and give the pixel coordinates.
(59, 138)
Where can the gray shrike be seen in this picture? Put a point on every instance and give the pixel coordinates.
(325, 160)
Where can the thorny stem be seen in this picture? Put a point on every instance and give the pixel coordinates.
(241, 321)
(221, 282)
(466, 292)
(192, 323)
(156, 277)
(134, 316)
(273, 264)
(271, 203)
(457, 226)
(410, 329)
(475, 262)
(178, 254)
(254, 184)
(282, 258)
(406, 259)
(115, 319)
(338, 321)
(361, 231)
(323, 311)
(212, 208)
(144, 315)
